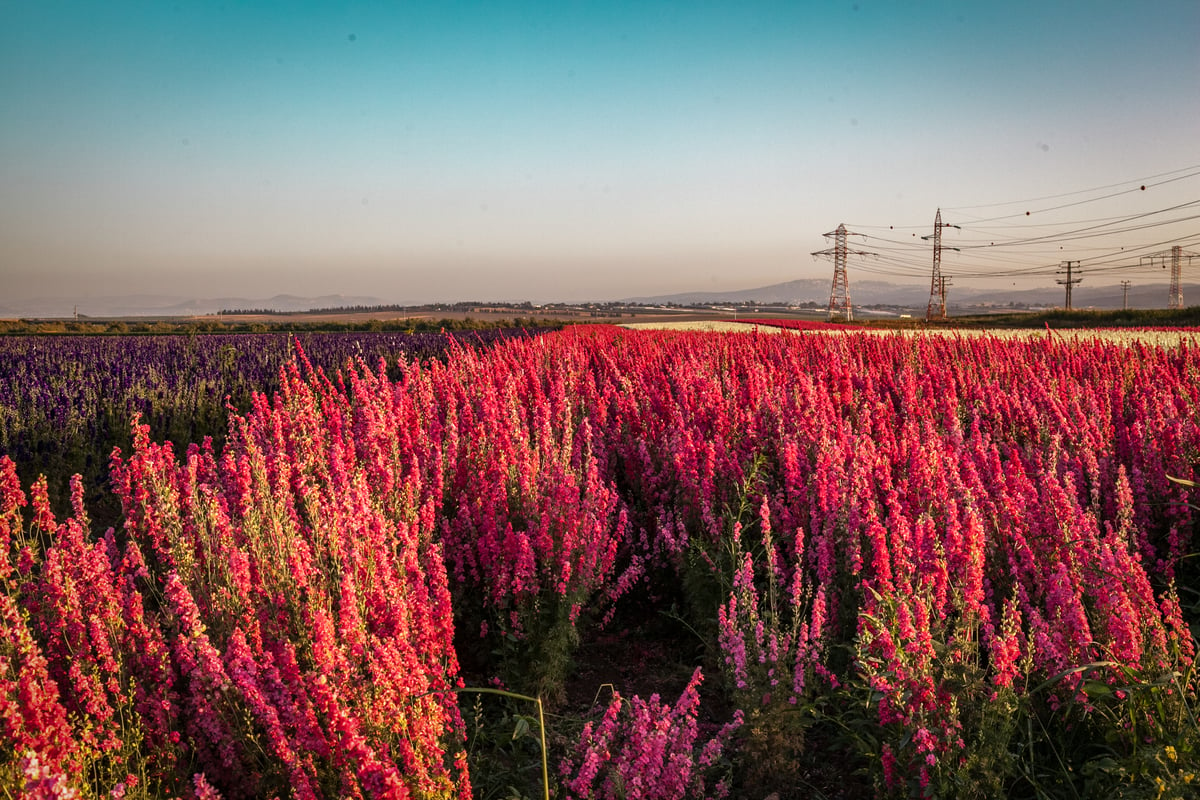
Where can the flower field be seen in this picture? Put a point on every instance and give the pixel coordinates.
(943, 566)
(66, 401)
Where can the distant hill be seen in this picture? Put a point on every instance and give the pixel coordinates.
(798, 292)
(916, 297)
(913, 297)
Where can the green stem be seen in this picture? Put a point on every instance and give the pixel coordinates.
(515, 696)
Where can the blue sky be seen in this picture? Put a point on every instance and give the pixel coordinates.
(570, 150)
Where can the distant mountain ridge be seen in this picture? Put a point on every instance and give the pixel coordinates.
(794, 292)
(882, 293)
(797, 292)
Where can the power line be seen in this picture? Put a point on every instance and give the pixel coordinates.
(999, 248)
(1141, 185)
(1086, 232)
(1141, 188)
(1103, 227)
(1138, 184)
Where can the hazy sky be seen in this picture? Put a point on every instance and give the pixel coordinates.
(418, 151)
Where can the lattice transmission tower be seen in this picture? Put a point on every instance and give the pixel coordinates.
(839, 295)
(937, 287)
(1176, 254)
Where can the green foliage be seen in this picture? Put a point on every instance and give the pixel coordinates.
(1135, 737)
(506, 746)
(539, 658)
(536, 659)
(773, 752)
(1129, 734)
(709, 564)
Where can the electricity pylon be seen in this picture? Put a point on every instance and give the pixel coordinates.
(937, 291)
(946, 280)
(1177, 254)
(839, 295)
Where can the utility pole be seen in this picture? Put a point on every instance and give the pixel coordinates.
(946, 280)
(937, 292)
(839, 295)
(1176, 296)
(1125, 295)
(1068, 281)
(1177, 254)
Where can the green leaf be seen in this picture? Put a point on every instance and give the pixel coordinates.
(521, 729)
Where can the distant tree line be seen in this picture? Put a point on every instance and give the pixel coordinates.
(390, 308)
(208, 325)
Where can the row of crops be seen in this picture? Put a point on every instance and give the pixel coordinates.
(913, 566)
(67, 401)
